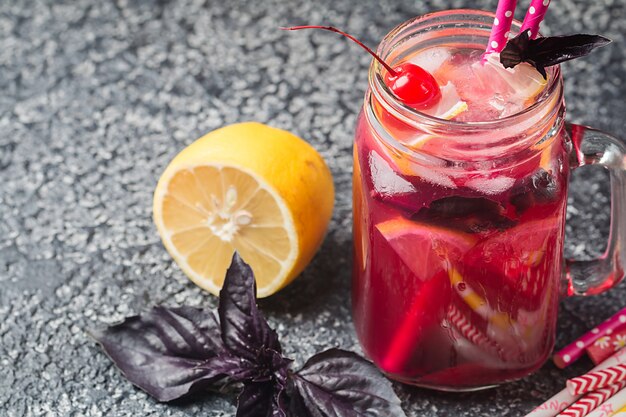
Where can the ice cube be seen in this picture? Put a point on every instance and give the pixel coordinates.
(491, 186)
(512, 89)
(386, 181)
(431, 59)
(434, 177)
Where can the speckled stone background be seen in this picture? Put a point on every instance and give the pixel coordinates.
(97, 96)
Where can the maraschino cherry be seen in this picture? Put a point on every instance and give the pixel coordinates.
(412, 84)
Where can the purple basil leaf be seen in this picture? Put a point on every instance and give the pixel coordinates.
(260, 400)
(337, 383)
(556, 49)
(168, 352)
(514, 52)
(269, 366)
(245, 332)
(546, 52)
(255, 400)
(265, 393)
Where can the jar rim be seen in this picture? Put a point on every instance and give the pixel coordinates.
(412, 116)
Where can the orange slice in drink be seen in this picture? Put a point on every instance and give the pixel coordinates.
(517, 258)
(428, 251)
(425, 249)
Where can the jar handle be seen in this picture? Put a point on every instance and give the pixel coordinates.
(593, 147)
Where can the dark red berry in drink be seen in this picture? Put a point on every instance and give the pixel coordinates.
(540, 188)
(469, 215)
(412, 84)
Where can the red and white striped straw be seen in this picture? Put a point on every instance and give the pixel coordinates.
(501, 26)
(534, 17)
(563, 399)
(612, 406)
(591, 401)
(572, 352)
(469, 331)
(593, 381)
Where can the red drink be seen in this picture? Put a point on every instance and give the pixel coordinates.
(459, 226)
(457, 287)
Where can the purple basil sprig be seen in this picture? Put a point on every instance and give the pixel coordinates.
(546, 52)
(342, 384)
(167, 352)
(172, 352)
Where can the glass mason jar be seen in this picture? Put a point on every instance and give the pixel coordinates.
(458, 240)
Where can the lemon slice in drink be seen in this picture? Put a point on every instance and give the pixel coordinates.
(250, 188)
(450, 106)
(524, 80)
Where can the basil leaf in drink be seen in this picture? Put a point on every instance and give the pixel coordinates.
(168, 352)
(244, 329)
(467, 214)
(338, 383)
(546, 52)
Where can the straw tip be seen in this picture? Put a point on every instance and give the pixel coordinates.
(571, 388)
(559, 361)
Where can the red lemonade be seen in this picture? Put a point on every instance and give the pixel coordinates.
(457, 245)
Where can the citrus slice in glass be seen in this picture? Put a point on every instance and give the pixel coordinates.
(424, 248)
(524, 80)
(428, 252)
(517, 262)
(450, 106)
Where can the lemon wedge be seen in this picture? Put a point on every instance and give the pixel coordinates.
(524, 80)
(450, 106)
(250, 188)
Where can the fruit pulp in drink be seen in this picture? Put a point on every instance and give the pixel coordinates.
(457, 273)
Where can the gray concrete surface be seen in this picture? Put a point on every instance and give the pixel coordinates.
(97, 96)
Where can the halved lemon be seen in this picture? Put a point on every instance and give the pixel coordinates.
(250, 188)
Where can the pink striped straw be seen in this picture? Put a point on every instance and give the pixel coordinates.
(534, 17)
(595, 380)
(572, 352)
(501, 26)
(591, 401)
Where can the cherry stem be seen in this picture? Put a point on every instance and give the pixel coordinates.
(352, 38)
